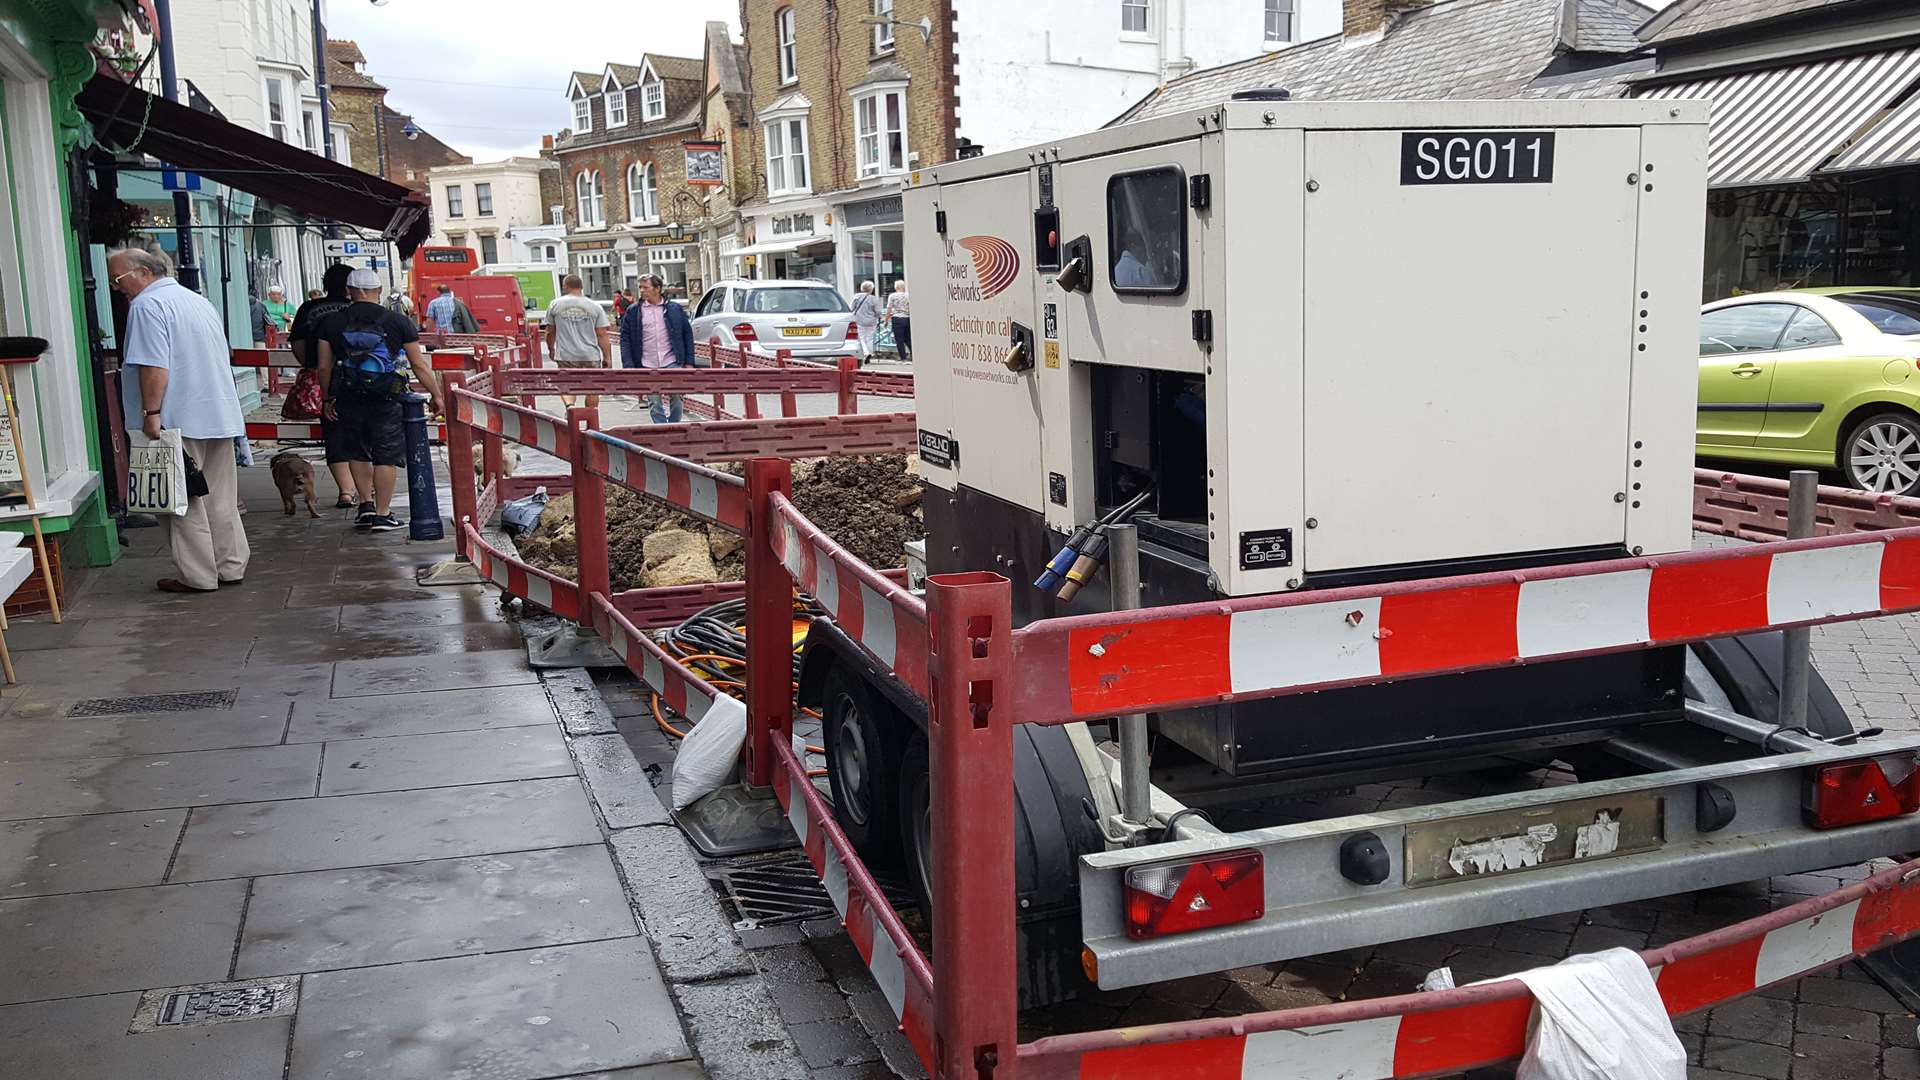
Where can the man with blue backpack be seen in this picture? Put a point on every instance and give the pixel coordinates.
(365, 352)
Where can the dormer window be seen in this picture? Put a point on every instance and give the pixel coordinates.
(616, 107)
(582, 115)
(653, 100)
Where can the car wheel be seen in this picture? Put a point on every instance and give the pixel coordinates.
(1882, 454)
(916, 822)
(863, 764)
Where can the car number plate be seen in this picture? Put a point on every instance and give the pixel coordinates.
(1511, 841)
(801, 331)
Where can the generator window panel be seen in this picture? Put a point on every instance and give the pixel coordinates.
(1147, 231)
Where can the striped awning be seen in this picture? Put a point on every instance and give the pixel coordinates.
(1779, 125)
(1895, 140)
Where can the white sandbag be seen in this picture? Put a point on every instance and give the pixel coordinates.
(710, 752)
(1597, 1016)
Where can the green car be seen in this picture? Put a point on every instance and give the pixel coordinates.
(1820, 378)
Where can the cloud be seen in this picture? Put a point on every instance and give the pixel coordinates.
(489, 77)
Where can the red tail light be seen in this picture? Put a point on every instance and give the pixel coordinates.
(745, 332)
(1856, 792)
(1173, 898)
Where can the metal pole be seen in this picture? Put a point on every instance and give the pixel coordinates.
(423, 503)
(320, 87)
(1803, 498)
(185, 270)
(1123, 579)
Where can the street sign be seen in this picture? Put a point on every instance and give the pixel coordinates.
(179, 180)
(341, 249)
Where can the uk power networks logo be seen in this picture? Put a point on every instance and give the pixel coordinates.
(995, 263)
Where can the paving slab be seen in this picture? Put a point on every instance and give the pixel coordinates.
(194, 625)
(462, 607)
(507, 1016)
(407, 762)
(332, 645)
(378, 592)
(124, 939)
(105, 785)
(413, 674)
(737, 1031)
(149, 733)
(428, 910)
(251, 839)
(27, 636)
(97, 851)
(319, 719)
(86, 1039)
(258, 692)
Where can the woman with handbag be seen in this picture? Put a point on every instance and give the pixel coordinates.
(305, 400)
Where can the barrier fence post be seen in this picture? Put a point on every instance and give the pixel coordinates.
(490, 454)
(789, 405)
(970, 752)
(459, 462)
(769, 622)
(589, 522)
(849, 400)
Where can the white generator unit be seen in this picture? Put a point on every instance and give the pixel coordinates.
(1338, 341)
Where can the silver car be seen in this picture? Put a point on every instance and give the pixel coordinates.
(807, 318)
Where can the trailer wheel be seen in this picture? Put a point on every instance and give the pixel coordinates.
(916, 822)
(861, 735)
(1743, 673)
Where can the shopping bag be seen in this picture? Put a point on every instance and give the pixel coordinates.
(1598, 1016)
(305, 399)
(157, 474)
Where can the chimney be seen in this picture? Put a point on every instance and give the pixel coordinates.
(1362, 17)
(546, 142)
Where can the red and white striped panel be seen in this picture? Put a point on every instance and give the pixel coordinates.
(884, 618)
(537, 587)
(683, 691)
(1454, 1030)
(1261, 646)
(890, 954)
(260, 429)
(719, 498)
(524, 426)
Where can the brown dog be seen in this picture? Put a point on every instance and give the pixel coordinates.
(509, 461)
(293, 475)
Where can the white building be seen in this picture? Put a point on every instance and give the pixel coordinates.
(493, 208)
(1029, 73)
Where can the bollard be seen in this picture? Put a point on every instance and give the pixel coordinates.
(1796, 643)
(423, 502)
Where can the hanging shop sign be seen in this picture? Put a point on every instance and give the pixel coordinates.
(704, 168)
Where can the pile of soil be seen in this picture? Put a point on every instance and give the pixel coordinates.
(869, 504)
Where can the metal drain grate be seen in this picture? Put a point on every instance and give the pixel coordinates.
(146, 703)
(215, 1003)
(767, 890)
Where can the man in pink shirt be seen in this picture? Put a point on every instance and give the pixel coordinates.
(656, 333)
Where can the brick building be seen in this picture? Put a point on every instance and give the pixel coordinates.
(727, 118)
(377, 135)
(844, 109)
(628, 210)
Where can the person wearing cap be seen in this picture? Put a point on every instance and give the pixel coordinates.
(176, 376)
(304, 341)
(363, 348)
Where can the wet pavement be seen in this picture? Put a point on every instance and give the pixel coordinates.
(374, 812)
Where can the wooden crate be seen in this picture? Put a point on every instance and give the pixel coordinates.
(31, 597)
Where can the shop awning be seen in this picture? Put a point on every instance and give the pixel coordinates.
(776, 247)
(1895, 140)
(127, 119)
(1778, 125)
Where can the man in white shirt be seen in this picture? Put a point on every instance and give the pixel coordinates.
(578, 333)
(177, 350)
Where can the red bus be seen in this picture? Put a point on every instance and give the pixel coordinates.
(434, 265)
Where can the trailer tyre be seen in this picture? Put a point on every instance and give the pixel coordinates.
(862, 740)
(915, 818)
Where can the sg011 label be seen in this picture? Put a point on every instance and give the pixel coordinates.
(1476, 157)
(941, 451)
(1266, 549)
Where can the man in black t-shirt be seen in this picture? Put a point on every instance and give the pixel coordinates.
(365, 351)
(306, 330)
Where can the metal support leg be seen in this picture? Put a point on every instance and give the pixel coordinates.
(1123, 578)
(1803, 498)
(769, 623)
(589, 522)
(459, 464)
(970, 737)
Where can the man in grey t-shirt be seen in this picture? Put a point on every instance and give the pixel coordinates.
(577, 335)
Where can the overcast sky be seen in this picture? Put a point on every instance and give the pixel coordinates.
(489, 77)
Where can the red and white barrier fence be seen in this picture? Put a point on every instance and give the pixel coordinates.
(789, 437)
(887, 620)
(719, 498)
(528, 427)
(1755, 507)
(536, 586)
